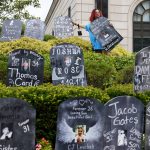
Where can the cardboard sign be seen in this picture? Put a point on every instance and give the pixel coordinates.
(25, 68)
(63, 27)
(67, 65)
(105, 33)
(124, 124)
(80, 125)
(11, 30)
(35, 28)
(142, 70)
(17, 125)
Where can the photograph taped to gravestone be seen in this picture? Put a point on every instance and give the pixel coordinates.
(124, 122)
(80, 124)
(105, 33)
(11, 30)
(17, 125)
(67, 65)
(25, 68)
(63, 27)
(147, 128)
(142, 70)
(35, 28)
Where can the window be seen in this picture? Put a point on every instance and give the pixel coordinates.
(103, 6)
(69, 12)
(141, 26)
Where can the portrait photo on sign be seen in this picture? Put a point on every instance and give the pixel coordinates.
(122, 138)
(80, 133)
(6, 131)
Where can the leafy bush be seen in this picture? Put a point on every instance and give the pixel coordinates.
(48, 37)
(46, 98)
(104, 69)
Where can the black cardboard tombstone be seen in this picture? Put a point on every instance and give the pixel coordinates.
(11, 30)
(124, 124)
(35, 28)
(17, 125)
(80, 125)
(25, 68)
(105, 33)
(142, 70)
(63, 27)
(147, 128)
(67, 65)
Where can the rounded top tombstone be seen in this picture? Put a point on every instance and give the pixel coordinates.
(124, 123)
(80, 124)
(35, 28)
(25, 68)
(17, 124)
(142, 70)
(68, 65)
(63, 27)
(11, 30)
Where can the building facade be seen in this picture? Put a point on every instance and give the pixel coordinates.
(131, 18)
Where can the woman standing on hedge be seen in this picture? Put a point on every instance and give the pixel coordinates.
(96, 45)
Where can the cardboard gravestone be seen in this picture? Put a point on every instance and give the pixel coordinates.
(80, 125)
(25, 68)
(11, 30)
(124, 124)
(67, 65)
(17, 125)
(63, 27)
(35, 28)
(142, 70)
(147, 128)
(105, 33)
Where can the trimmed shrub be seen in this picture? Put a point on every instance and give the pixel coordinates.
(104, 69)
(49, 37)
(46, 98)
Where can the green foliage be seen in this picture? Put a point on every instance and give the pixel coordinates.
(46, 98)
(44, 144)
(100, 70)
(104, 69)
(16, 9)
(49, 37)
(107, 77)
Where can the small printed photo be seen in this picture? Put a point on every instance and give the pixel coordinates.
(80, 133)
(6, 131)
(122, 138)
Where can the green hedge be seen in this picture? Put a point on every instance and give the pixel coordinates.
(107, 76)
(104, 69)
(46, 98)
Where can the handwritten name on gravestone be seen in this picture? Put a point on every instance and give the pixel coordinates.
(80, 125)
(147, 128)
(63, 27)
(35, 28)
(124, 123)
(17, 125)
(67, 65)
(105, 33)
(25, 68)
(142, 70)
(11, 30)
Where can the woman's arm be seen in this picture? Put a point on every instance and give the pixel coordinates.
(79, 26)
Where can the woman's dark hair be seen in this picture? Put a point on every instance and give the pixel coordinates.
(92, 17)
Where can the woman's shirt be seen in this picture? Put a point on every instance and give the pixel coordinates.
(96, 44)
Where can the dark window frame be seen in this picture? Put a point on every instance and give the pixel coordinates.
(103, 6)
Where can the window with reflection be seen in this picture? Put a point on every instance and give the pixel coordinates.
(141, 26)
(103, 6)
